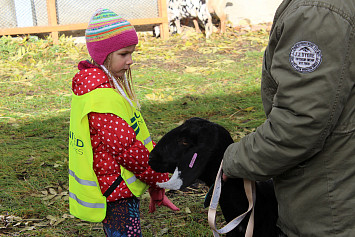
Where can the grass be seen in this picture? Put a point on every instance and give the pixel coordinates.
(183, 77)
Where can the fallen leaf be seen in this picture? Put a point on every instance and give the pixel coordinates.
(28, 228)
(187, 210)
(52, 191)
(164, 231)
(249, 109)
(191, 69)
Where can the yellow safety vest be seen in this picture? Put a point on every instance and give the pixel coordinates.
(85, 197)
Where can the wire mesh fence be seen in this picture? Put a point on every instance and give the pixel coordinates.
(73, 11)
(24, 17)
(27, 13)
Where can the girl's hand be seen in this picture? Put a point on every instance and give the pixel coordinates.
(157, 197)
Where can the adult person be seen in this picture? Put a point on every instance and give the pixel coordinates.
(307, 143)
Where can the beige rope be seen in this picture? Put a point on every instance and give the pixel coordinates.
(249, 187)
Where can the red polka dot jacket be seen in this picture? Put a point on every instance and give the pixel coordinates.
(113, 141)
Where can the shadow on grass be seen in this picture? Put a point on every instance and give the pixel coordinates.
(234, 112)
(34, 153)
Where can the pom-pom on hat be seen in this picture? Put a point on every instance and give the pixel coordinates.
(106, 33)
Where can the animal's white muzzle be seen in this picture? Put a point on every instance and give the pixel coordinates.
(174, 183)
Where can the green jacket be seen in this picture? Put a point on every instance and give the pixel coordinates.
(307, 143)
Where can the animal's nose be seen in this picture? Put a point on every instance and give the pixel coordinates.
(152, 164)
(151, 159)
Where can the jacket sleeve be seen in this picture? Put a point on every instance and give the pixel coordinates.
(119, 139)
(306, 105)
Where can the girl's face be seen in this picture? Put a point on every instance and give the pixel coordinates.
(121, 60)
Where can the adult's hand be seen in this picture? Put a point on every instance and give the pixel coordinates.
(225, 177)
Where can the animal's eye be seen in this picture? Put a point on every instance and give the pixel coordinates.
(184, 142)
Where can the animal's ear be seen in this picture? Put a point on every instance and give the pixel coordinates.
(193, 163)
(189, 132)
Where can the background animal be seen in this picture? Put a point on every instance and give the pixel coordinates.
(207, 141)
(190, 9)
(199, 11)
(218, 7)
(187, 9)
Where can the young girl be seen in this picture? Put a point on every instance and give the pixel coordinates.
(109, 143)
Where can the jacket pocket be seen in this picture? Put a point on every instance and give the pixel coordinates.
(296, 171)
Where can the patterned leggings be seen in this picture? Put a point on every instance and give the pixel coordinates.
(122, 218)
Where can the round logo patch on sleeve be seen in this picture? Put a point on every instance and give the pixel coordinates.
(305, 56)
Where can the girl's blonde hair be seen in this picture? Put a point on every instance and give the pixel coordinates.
(125, 82)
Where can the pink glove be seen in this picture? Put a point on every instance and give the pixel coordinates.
(157, 197)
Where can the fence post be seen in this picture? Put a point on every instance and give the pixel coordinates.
(163, 12)
(52, 18)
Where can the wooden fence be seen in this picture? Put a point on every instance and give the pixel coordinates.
(54, 28)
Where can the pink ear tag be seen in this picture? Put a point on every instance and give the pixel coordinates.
(193, 160)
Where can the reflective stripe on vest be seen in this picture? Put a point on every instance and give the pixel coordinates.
(86, 204)
(147, 140)
(131, 180)
(82, 181)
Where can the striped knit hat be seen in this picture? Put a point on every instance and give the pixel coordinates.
(106, 33)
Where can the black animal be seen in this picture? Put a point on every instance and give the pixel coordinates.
(194, 150)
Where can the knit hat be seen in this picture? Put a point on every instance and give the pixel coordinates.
(106, 33)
